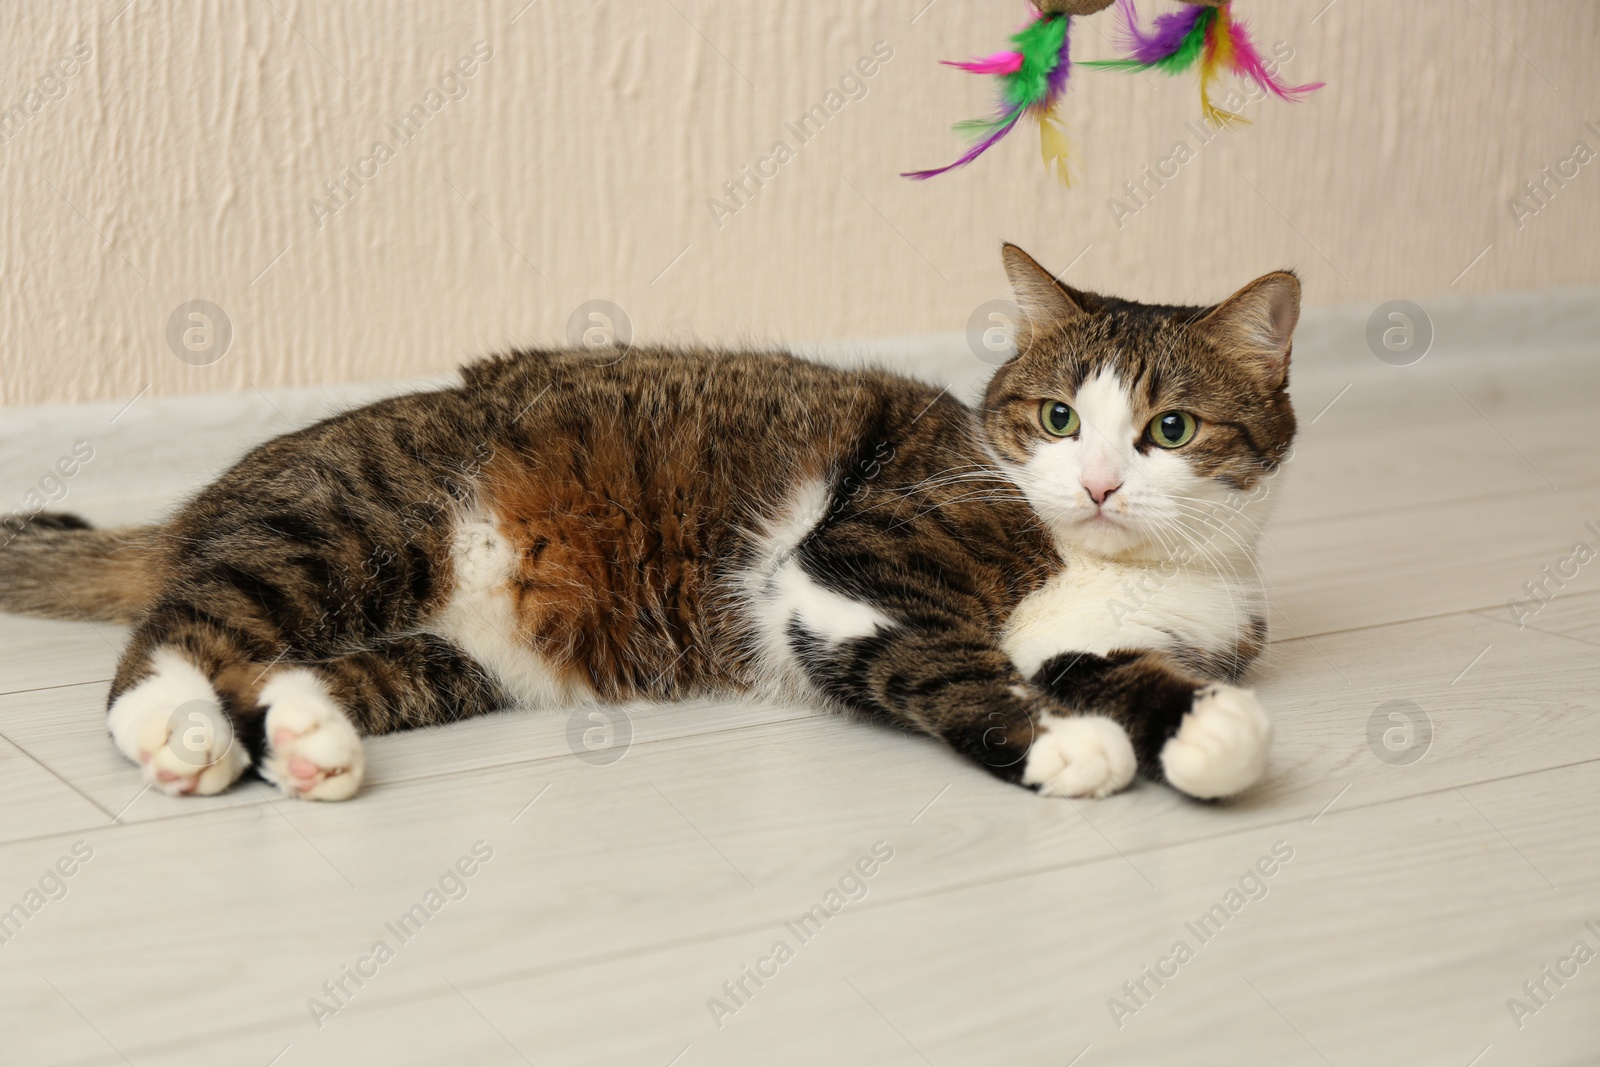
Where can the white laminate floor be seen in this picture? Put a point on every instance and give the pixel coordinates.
(1412, 894)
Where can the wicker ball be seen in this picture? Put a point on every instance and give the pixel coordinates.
(1072, 7)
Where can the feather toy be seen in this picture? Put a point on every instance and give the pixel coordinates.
(1206, 31)
(1033, 76)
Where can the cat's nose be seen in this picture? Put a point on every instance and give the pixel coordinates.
(1101, 488)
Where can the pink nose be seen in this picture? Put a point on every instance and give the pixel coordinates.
(1101, 488)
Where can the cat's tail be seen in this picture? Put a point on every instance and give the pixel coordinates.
(59, 567)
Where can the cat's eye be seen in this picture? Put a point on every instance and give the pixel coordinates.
(1058, 419)
(1173, 429)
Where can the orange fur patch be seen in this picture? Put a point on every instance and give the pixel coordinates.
(611, 575)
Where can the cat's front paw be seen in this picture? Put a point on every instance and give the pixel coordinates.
(1079, 756)
(172, 725)
(1221, 747)
(313, 750)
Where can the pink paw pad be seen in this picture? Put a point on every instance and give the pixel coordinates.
(189, 781)
(315, 751)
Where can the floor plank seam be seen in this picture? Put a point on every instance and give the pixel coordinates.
(48, 688)
(1483, 612)
(1406, 509)
(52, 772)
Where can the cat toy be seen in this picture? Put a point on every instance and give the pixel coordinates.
(1033, 73)
(1205, 32)
(1033, 77)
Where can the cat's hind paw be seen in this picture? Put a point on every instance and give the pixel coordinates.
(172, 725)
(1079, 756)
(313, 750)
(1221, 747)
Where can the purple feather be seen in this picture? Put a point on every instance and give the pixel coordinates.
(1163, 38)
(972, 153)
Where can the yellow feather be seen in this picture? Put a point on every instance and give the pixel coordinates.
(1218, 57)
(1054, 147)
(1214, 114)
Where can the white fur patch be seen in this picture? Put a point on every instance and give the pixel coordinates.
(313, 750)
(1097, 605)
(783, 533)
(1053, 477)
(1221, 748)
(1109, 433)
(776, 591)
(481, 619)
(173, 726)
(1079, 756)
(831, 616)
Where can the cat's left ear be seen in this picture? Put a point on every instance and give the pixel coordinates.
(1045, 303)
(1256, 324)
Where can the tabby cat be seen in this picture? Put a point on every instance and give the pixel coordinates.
(1042, 581)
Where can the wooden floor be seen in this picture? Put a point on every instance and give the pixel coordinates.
(1421, 890)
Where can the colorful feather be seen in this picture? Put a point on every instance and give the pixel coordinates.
(1248, 62)
(1217, 57)
(999, 63)
(1171, 45)
(1208, 34)
(1033, 76)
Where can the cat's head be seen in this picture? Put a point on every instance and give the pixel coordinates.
(1145, 431)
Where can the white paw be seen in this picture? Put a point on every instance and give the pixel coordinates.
(1221, 748)
(313, 750)
(173, 726)
(1079, 756)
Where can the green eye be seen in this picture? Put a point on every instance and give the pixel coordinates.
(1173, 429)
(1058, 419)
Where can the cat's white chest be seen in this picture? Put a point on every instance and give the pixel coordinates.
(1097, 605)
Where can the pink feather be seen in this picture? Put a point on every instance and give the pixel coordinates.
(1247, 61)
(999, 63)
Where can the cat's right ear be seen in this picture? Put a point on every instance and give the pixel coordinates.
(1045, 303)
(1256, 324)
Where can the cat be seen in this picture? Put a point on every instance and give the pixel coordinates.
(1039, 580)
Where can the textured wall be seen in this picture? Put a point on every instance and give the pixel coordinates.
(181, 152)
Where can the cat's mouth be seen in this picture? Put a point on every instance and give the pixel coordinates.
(1109, 534)
(1100, 518)
(1103, 531)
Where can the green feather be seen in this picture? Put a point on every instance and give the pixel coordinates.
(1112, 64)
(1189, 51)
(1040, 45)
(976, 130)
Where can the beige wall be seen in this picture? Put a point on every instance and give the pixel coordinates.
(179, 160)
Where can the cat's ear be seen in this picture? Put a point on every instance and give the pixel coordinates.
(1045, 303)
(1256, 324)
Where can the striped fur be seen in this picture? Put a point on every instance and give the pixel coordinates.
(563, 526)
